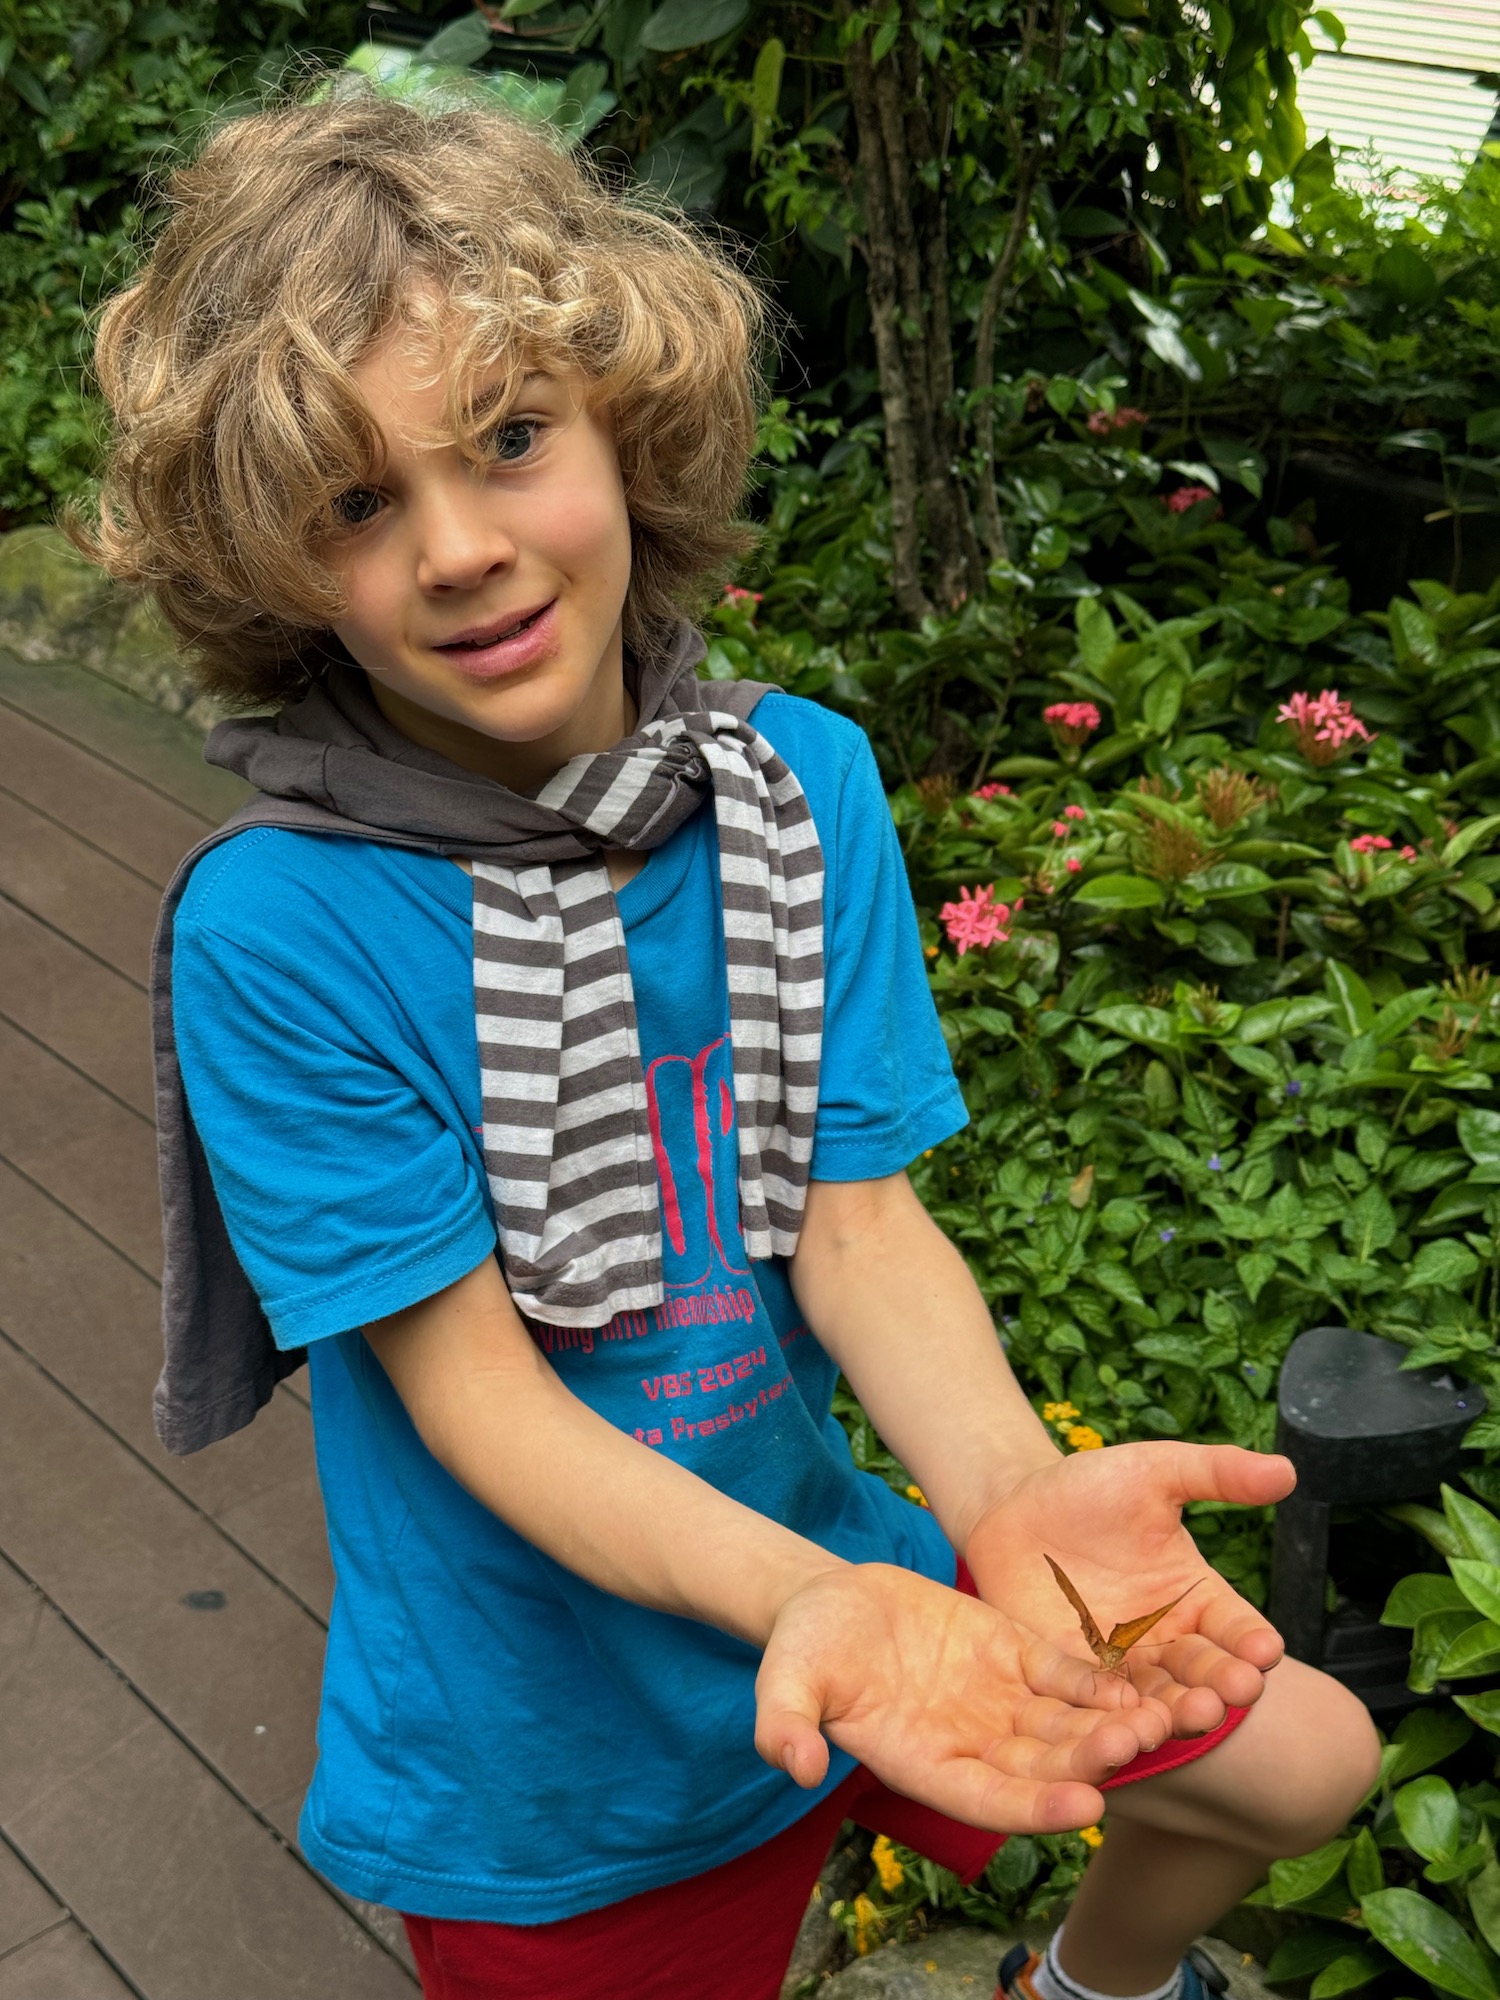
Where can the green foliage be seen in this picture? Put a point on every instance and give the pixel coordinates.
(1412, 1885)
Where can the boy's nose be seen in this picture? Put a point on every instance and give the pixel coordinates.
(459, 546)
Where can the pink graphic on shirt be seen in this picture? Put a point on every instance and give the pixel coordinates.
(694, 1219)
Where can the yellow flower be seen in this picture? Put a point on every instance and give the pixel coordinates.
(1082, 1437)
(887, 1867)
(916, 1493)
(1054, 1413)
(868, 1923)
(1091, 1836)
(932, 951)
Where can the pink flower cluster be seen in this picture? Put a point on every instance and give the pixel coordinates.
(977, 919)
(1060, 827)
(1325, 725)
(741, 599)
(1376, 843)
(1072, 722)
(1102, 422)
(1185, 497)
(992, 792)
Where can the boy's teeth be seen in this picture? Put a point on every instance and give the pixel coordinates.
(494, 638)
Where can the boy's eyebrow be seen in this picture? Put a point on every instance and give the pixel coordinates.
(501, 392)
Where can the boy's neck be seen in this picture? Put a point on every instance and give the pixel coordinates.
(520, 767)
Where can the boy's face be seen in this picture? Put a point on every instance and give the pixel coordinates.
(485, 605)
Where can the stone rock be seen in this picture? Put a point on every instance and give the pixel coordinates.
(54, 605)
(959, 1964)
(954, 1964)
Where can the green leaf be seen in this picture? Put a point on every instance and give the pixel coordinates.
(1474, 1651)
(1444, 1264)
(1225, 944)
(1481, 1708)
(1398, 1015)
(1141, 1024)
(1353, 1008)
(688, 24)
(459, 44)
(1096, 634)
(1429, 1942)
(1415, 1596)
(1431, 1525)
(1426, 1737)
(1369, 1225)
(1280, 1017)
(1427, 1813)
(765, 79)
(1306, 1952)
(1351, 1969)
(1434, 1633)
(1476, 1524)
(1479, 1135)
(1255, 1271)
(1364, 1870)
(1298, 1880)
(1468, 838)
(1480, 1583)
(1121, 892)
(1484, 1902)
(1230, 878)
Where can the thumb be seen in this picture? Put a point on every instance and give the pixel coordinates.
(1226, 1472)
(787, 1714)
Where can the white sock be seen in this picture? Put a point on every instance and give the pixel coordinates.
(1052, 1983)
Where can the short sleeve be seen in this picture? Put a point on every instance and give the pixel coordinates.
(347, 1194)
(886, 1089)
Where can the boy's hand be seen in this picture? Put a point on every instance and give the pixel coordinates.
(945, 1700)
(1112, 1519)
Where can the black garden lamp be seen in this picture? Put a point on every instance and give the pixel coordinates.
(1359, 1429)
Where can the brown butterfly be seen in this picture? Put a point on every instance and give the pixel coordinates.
(1110, 1652)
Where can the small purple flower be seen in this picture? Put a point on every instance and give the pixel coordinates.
(1294, 1088)
(1166, 1235)
(1215, 1164)
(1249, 1367)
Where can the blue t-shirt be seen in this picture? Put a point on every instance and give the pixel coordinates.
(499, 1739)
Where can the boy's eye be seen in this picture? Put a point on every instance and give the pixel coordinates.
(358, 505)
(511, 440)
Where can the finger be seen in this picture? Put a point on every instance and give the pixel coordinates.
(787, 1717)
(1147, 1724)
(1223, 1472)
(793, 1745)
(1194, 1661)
(1063, 1677)
(1192, 1711)
(971, 1790)
(1241, 1630)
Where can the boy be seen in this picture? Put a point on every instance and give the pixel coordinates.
(554, 1039)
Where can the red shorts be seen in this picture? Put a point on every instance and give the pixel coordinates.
(729, 1932)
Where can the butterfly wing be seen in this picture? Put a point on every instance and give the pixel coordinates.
(1097, 1641)
(1124, 1636)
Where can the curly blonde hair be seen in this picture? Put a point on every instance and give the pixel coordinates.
(294, 241)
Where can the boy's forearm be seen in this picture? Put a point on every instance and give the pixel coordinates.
(893, 1302)
(637, 1524)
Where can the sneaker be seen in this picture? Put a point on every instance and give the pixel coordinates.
(1202, 1979)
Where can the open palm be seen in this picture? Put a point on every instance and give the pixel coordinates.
(1113, 1520)
(945, 1699)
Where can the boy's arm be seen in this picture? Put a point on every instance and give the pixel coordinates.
(938, 1694)
(892, 1301)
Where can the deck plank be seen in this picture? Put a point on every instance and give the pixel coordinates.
(93, 1323)
(60, 1965)
(27, 1908)
(89, 1015)
(190, 1896)
(78, 891)
(96, 1156)
(157, 749)
(101, 805)
(231, 1662)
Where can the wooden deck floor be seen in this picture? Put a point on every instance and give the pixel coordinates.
(161, 1620)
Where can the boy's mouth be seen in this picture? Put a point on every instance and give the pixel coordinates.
(505, 645)
(478, 638)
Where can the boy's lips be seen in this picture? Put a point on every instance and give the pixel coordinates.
(504, 645)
